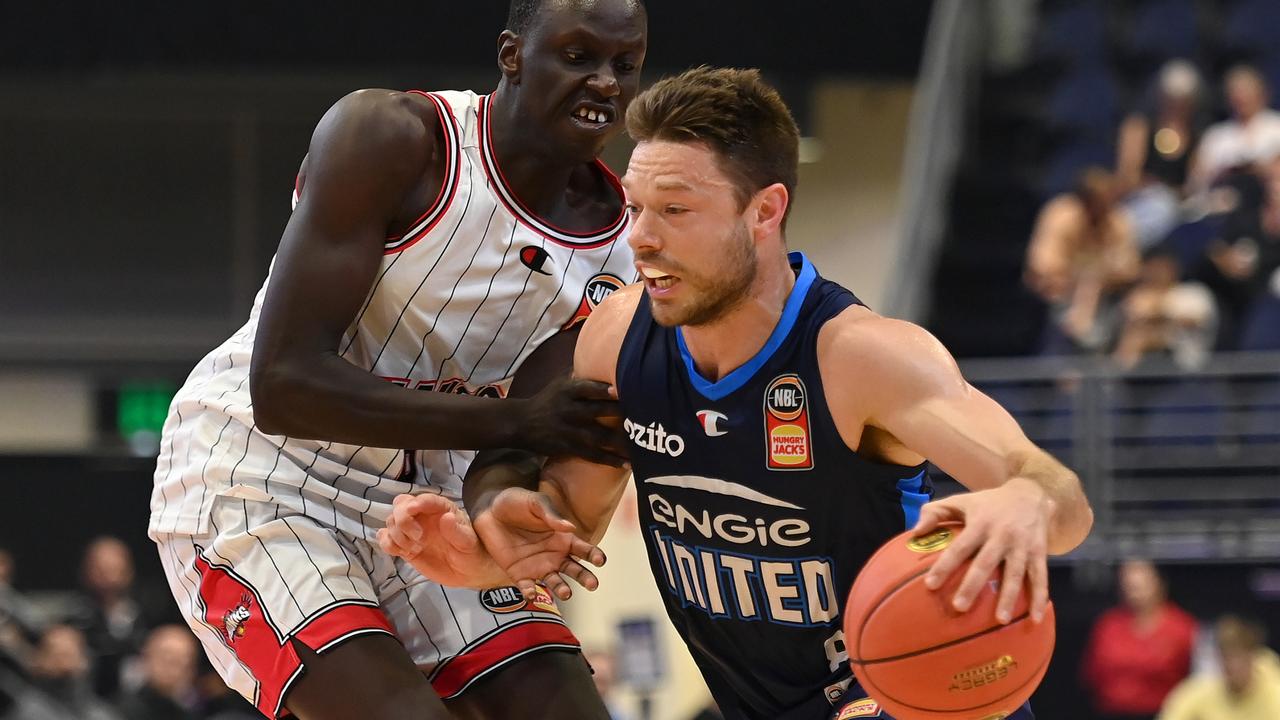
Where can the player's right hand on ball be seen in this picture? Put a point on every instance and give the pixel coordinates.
(529, 540)
(580, 418)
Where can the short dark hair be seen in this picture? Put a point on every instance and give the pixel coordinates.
(736, 113)
(520, 14)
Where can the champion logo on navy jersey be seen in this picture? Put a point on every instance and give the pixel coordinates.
(710, 420)
(534, 258)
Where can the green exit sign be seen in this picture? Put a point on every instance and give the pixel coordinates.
(142, 407)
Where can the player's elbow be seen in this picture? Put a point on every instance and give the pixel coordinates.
(271, 390)
(1074, 520)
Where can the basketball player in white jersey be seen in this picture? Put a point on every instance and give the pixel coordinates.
(442, 248)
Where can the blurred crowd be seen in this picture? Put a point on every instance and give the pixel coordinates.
(1173, 253)
(106, 651)
(1148, 659)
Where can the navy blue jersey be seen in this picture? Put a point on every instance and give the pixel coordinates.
(756, 514)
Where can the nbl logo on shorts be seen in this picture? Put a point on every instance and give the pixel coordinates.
(786, 424)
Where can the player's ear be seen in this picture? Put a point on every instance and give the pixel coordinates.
(509, 56)
(768, 208)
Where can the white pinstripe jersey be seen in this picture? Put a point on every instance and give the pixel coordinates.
(460, 300)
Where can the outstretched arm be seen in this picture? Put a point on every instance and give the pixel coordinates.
(898, 378)
(371, 154)
(517, 521)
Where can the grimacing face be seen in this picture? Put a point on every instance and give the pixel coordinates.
(694, 249)
(578, 69)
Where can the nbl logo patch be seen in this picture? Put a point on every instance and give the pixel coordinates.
(786, 424)
(503, 599)
(599, 287)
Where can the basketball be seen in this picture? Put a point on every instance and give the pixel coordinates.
(923, 660)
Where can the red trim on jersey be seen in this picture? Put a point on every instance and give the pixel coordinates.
(233, 608)
(506, 644)
(554, 233)
(448, 190)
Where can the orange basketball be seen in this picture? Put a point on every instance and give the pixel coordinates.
(922, 660)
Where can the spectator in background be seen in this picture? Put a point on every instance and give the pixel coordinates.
(1138, 652)
(1166, 317)
(1250, 136)
(1154, 149)
(60, 677)
(18, 619)
(169, 671)
(1247, 689)
(603, 672)
(1081, 255)
(115, 622)
(1243, 263)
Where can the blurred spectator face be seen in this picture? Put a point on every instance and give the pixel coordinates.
(1097, 191)
(6, 568)
(1238, 644)
(1237, 669)
(169, 660)
(108, 567)
(61, 654)
(1160, 271)
(1246, 92)
(1179, 86)
(1140, 585)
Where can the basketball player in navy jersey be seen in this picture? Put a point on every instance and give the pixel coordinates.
(442, 247)
(779, 428)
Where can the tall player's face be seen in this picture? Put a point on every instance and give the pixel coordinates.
(693, 245)
(579, 70)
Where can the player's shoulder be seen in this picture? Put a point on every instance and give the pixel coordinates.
(378, 117)
(865, 348)
(600, 341)
(861, 332)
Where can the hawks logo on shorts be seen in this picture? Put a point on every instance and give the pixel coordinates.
(233, 621)
(599, 287)
(786, 424)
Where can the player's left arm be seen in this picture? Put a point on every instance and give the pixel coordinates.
(896, 377)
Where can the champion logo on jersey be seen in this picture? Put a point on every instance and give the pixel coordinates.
(710, 420)
(534, 258)
(786, 424)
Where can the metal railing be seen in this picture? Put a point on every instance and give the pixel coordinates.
(1179, 465)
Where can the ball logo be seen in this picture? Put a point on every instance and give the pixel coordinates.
(931, 543)
(983, 675)
(599, 287)
(786, 423)
(503, 600)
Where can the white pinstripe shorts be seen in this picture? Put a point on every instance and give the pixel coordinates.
(265, 574)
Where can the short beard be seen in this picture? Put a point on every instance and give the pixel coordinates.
(730, 287)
